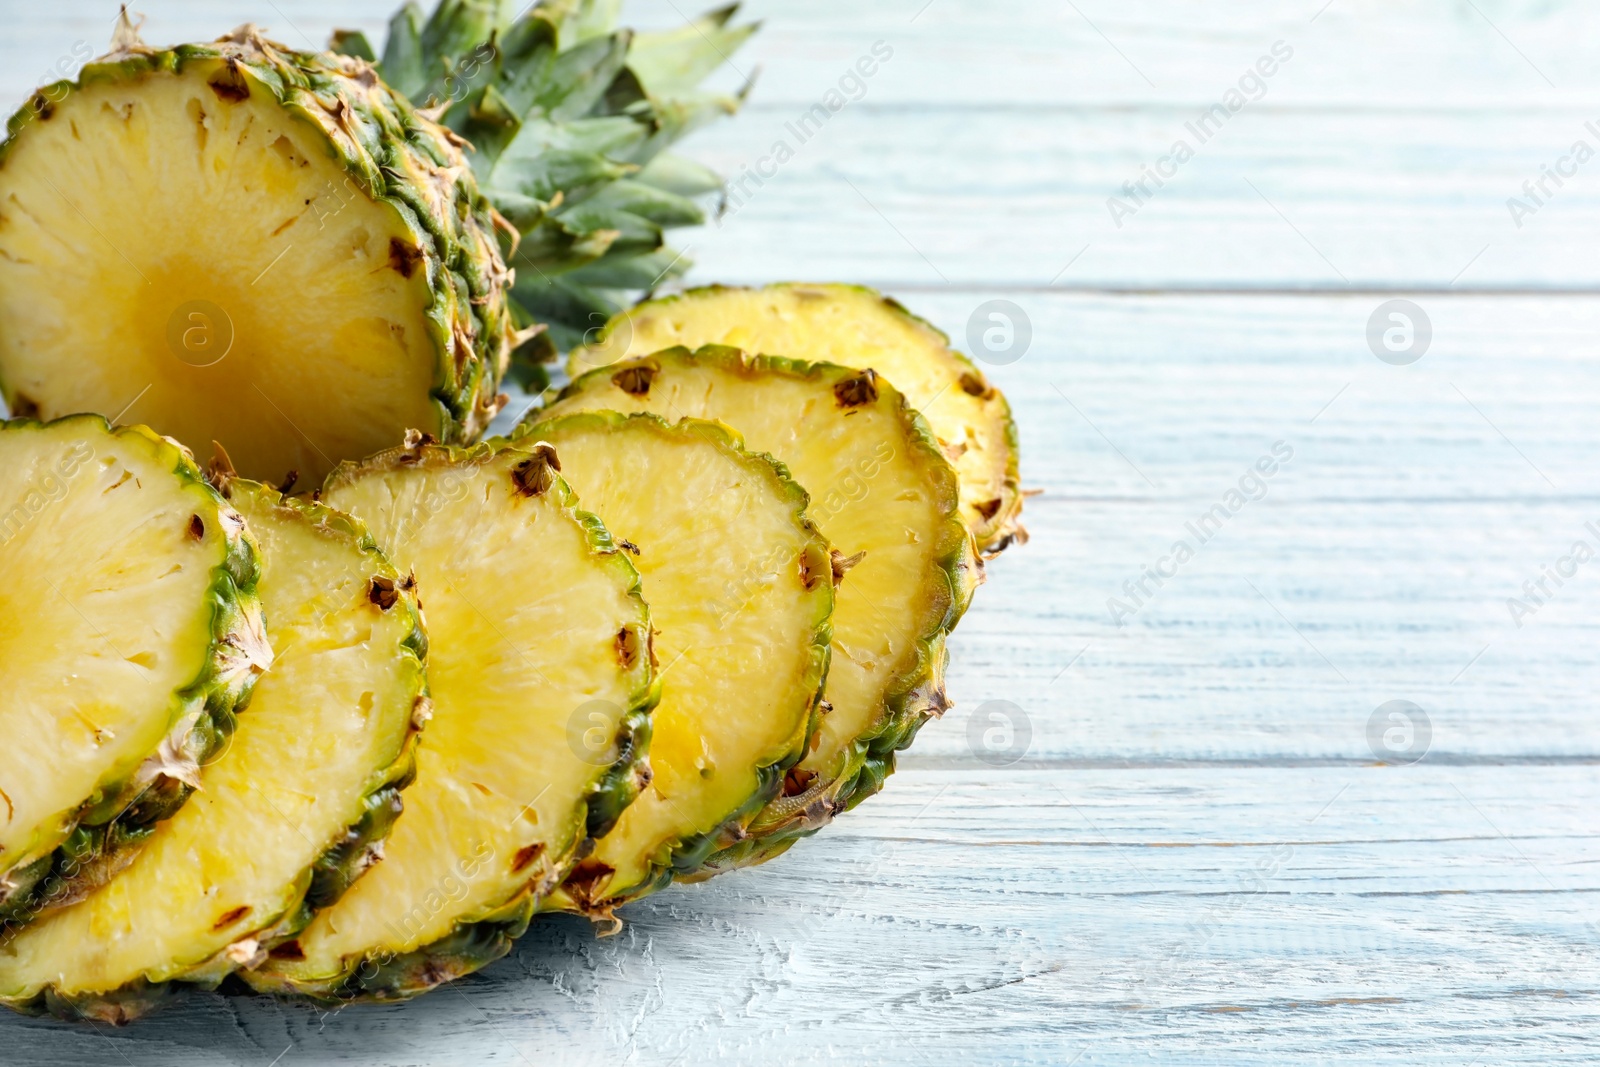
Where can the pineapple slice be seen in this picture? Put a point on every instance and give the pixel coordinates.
(536, 627)
(741, 591)
(857, 327)
(293, 810)
(240, 243)
(133, 635)
(884, 495)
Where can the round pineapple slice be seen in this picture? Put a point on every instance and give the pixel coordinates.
(885, 497)
(740, 586)
(134, 634)
(540, 675)
(240, 243)
(286, 817)
(856, 327)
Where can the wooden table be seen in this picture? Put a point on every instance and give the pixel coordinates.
(1198, 856)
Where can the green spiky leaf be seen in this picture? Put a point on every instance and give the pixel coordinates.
(353, 43)
(675, 62)
(572, 119)
(678, 175)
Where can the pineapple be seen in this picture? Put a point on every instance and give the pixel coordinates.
(287, 816)
(134, 636)
(740, 586)
(857, 327)
(241, 243)
(286, 256)
(885, 496)
(539, 643)
(572, 119)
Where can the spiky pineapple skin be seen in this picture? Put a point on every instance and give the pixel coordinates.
(920, 694)
(393, 154)
(386, 976)
(698, 856)
(105, 833)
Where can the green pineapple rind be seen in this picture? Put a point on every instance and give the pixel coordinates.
(687, 858)
(919, 693)
(385, 976)
(392, 154)
(105, 832)
(344, 860)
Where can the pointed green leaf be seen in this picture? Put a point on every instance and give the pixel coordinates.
(402, 64)
(611, 138)
(675, 61)
(581, 20)
(523, 212)
(352, 43)
(598, 233)
(580, 76)
(569, 308)
(485, 119)
(675, 119)
(657, 206)
(637, 272)
(678, 175)
(551, 247)
(543, 175)
(531, 39)
(456, 28)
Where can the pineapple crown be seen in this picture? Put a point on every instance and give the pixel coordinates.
(572, 119)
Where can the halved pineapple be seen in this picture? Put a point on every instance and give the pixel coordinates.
(740, 586)
(857, 327)
(884, 496)
(539, 644)
(294, 809)
(132, 635)
(241, 243)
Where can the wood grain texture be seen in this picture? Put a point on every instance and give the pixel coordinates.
(1377, 915)
(1196, 857)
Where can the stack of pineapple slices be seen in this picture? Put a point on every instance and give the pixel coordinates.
(347, 744)
(801, 581)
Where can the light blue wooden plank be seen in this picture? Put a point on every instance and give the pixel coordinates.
(1392, 541)
(1203, 916)
(1281, 198)
(1406, 189)
(954, 54)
